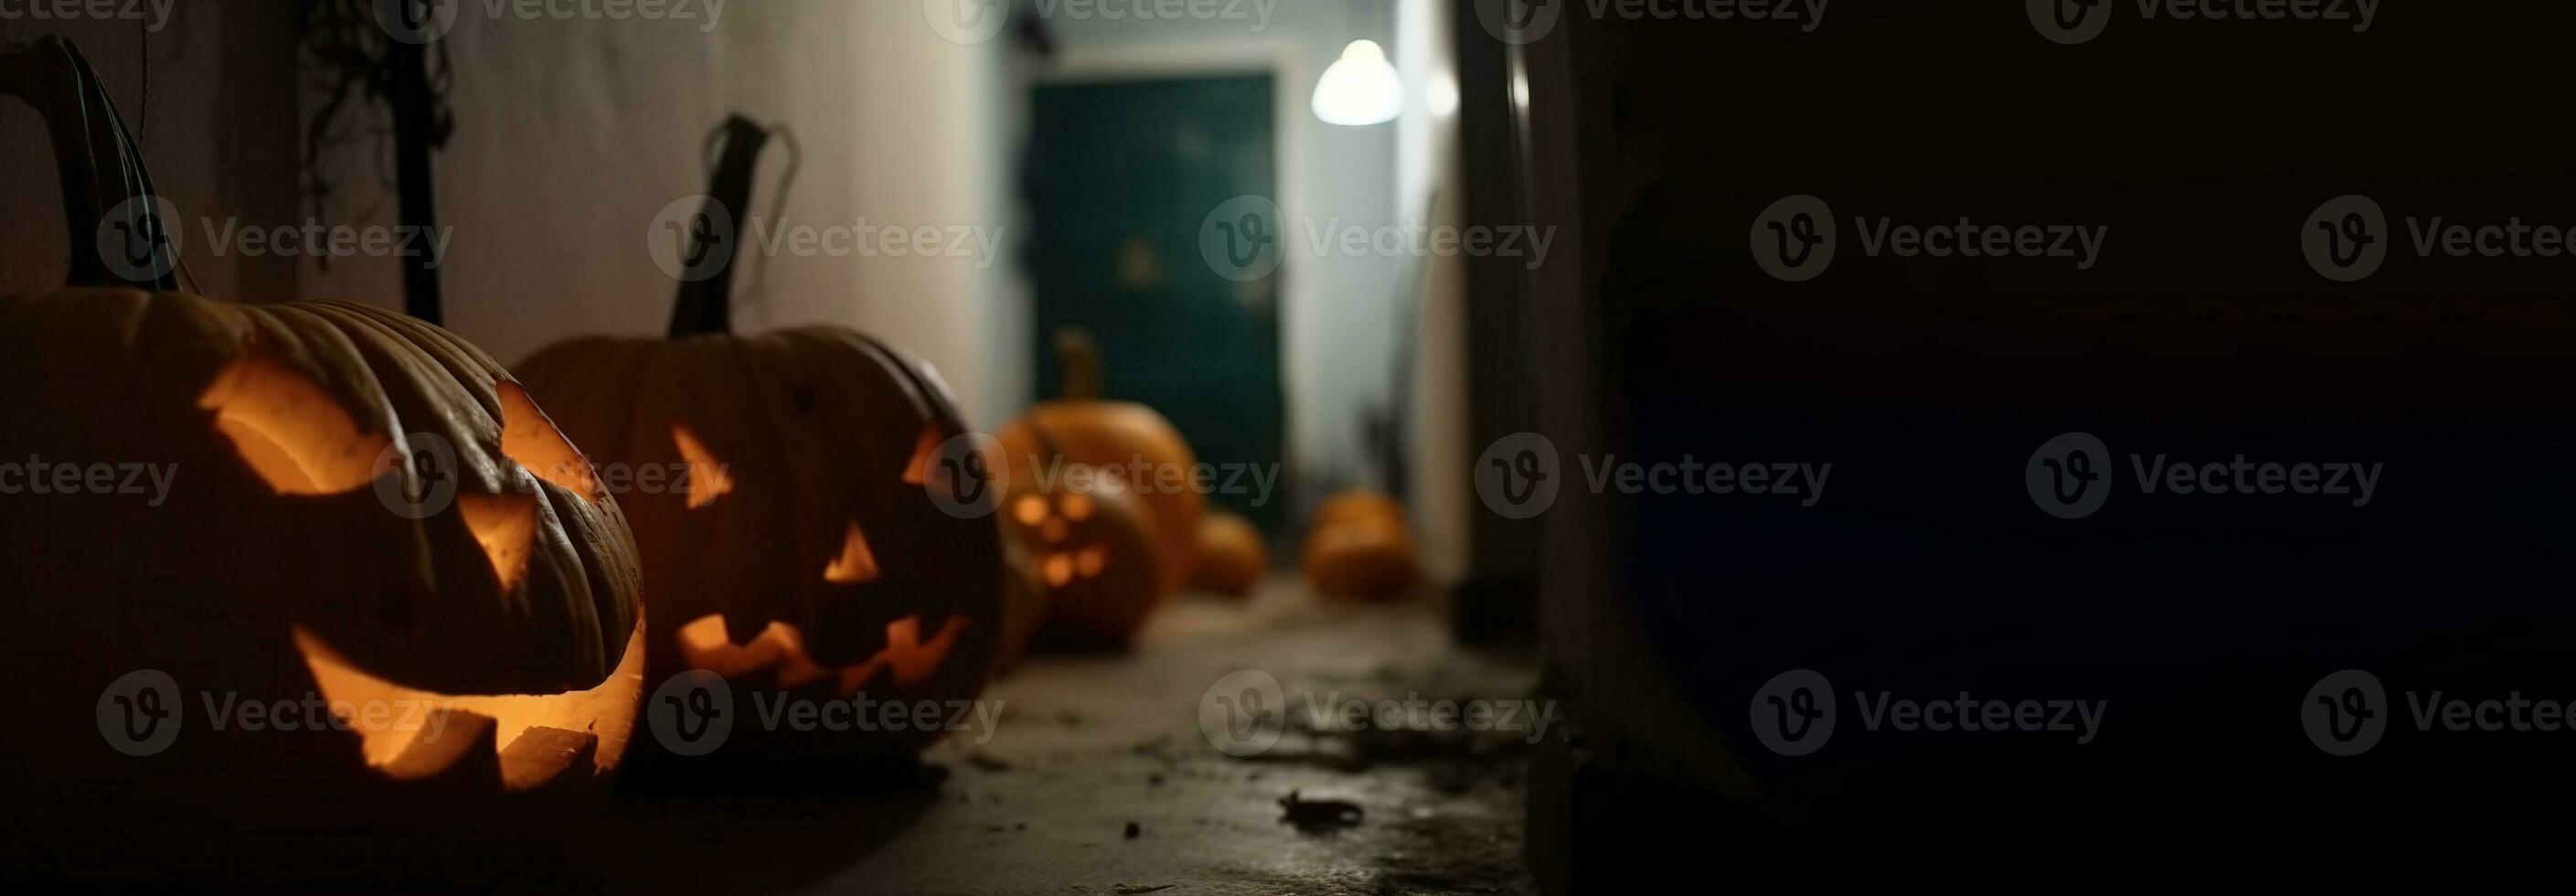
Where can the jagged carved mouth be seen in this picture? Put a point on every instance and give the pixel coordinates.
(906, 657)
(411, 734)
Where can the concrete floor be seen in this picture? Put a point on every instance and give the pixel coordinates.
(1090, 748)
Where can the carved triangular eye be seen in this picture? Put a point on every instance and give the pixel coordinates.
(709, 478)
(531, 438)
(855, 564)
(506, 526)
(289, 431)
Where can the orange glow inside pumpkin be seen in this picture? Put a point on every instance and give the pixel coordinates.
(531, 438)
(709, 479)
(290, 431)
(506, 526)
(606, 711)
(855, 564)
(703, 645)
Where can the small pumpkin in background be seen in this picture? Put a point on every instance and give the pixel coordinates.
(1090, 542)
(359, 507)
(1361, 547)
(1121, 438)
(1231, 556)
(804, 552)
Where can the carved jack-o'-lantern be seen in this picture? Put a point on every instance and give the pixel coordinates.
(1119, 437)
(1092, 547)
(321, 567)
(798, 550)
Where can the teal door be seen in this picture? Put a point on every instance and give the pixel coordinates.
(1122, 176)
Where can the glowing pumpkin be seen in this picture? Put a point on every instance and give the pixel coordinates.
(794, 546)
(1118, 437)
(1092, 547)
(360, 582)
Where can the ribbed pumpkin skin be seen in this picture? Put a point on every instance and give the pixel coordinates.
(211, 585)
(818, 430)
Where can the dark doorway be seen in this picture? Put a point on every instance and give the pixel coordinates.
(1121, 175)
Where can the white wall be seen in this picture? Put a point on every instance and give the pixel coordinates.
(572, 135)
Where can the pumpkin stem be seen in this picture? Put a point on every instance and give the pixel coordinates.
(101, 168)
(1077, 360)
(705, 306)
